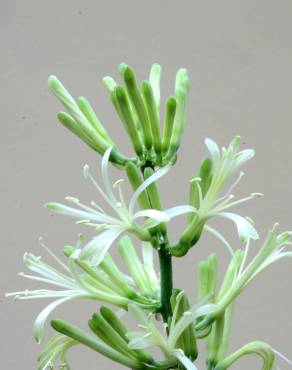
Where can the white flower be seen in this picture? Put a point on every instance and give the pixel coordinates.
(124, 219)
(107, 284)
(273, 249)
(225, 163)
(150, 335)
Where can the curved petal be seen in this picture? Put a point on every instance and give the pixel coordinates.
(105, 175)
(180, 210)
(38, 328)
(161, 172)
(213, 149)
(155, 214)
(97, 248)
(184, 360)
(244, 227)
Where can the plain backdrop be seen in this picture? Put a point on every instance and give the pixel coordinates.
(239, 57)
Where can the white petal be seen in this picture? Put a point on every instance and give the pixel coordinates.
(139, 343)
(161, 172)
(213, 148)
(187, 363)
(283, 357)
(77, 213)
(244, 156)
(98, 246)
(245, 228)
(105, 175)
(159, 216)
(180, 210)
(39, 323)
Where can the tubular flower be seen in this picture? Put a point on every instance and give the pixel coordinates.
(272, 250)
(169, 344)
(79, 280)
(205, 195)
(125, 218)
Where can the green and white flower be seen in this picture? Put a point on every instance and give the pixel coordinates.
(150, 335)
(273, 249)
(207, 199)
(55, 353)
(79, 280)
(125, 217)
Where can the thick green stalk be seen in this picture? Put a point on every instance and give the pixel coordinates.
(165, 281)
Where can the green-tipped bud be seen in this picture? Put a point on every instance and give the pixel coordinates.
(66, 120)
(109, 83)
(109, 335)
(134, 265)
(153, 115)
(79, 124)
(170, 109)
(120, 100)
(205, 175)
(136, 180)
(81, 336)
(261, 349)
(116, 323)
(181, 94)
(138, 105)
(154, 198)
(154, 78)
(212, 274)
(89, 113)
(194, 197)
(203, 277)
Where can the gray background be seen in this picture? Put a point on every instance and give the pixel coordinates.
(239, 58)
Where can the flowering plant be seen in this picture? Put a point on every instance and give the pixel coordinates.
(165, 318)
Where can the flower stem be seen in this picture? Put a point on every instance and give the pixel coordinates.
(165, 281)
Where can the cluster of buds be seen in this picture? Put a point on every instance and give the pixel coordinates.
(165, 315)
(138, 108)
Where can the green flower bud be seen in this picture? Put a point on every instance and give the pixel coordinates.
(154, 198)
(120, 100)
(109, 83)
(181, 94)
(89, 113)
(68, 250)
(135, 96)
(108, 334)
(187, 341)
(134, 265)
(153, 115)
(136, 180)
(205, 175)
(81, 336)
(154, 78)
(170, 109)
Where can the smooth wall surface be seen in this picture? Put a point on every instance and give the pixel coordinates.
(239, 58)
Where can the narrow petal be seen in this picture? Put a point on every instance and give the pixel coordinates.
(77, 213)
(154, 214)
(39, 323)
(180, 210)
(161, 172)
(244, 227)
(98, 246)
(184, 360)
(213, 148)
(105, 175)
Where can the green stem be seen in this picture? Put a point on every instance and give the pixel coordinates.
(165, 281)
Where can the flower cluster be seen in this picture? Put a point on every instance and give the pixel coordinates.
(166, 318)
